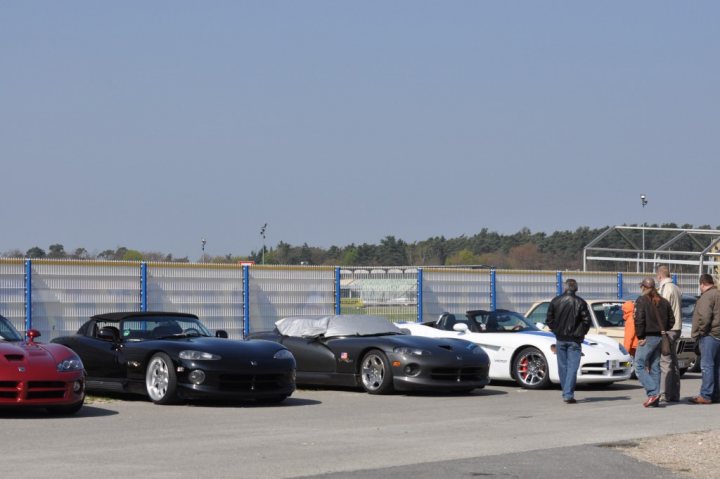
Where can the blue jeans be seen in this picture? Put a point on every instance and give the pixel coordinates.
(648, 356)
(568, 358)
(710, 367)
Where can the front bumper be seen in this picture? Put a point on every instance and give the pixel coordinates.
(257, 383)
(412, 373)
(65, 390)
(609, 371)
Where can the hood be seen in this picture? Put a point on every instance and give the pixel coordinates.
(228, 348)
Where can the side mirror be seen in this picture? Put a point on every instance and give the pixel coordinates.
(221, 333)
(461, 328)
(32, 334)
(108, 334)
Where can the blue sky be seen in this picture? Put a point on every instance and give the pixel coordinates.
(151, 125)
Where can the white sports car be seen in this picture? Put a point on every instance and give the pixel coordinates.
(520, 351)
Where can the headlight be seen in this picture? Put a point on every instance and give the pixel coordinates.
(198, 356)
(283, 354)
(412, 351)
(73, 364)
(622, 349)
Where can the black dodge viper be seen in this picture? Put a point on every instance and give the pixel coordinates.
(371, 352)
(172, 356)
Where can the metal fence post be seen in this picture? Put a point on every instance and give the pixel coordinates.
(338, 299)
(419, 295)
(493, 290)
(559, 283)
(28, 295)
(246, 300)
(143, 287)
(620, 285)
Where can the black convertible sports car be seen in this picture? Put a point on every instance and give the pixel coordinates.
(372, 352)
(171, 356)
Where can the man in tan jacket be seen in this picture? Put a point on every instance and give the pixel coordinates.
(669, 370)
(706, 330)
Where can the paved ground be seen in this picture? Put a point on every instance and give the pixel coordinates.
(502, 430)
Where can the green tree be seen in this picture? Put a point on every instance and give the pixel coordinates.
(35, 252)
(56, 251)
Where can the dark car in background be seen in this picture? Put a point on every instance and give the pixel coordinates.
(172, 356)
(371, 352)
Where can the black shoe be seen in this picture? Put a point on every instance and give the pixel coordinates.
(570, 401)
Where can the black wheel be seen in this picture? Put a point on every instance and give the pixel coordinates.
(161, 380)
(66, 410)
(530, 369)
(375, 373)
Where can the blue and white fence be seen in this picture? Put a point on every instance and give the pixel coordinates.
(56, 296)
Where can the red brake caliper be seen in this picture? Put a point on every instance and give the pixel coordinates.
(523, 369)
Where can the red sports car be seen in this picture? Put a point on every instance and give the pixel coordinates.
(39, 375)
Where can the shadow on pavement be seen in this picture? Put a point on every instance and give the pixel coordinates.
(27, 413)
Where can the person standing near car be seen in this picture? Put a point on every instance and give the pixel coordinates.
(653, 318)
(569, 319)
(669, 370)
(706, 330)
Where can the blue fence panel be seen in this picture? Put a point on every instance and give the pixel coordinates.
(455, 291)
(518, 290)
(66, 293)
(212, 292)
(276, 292)
(12, 291)
(390, 292)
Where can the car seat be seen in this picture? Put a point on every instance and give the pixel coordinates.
(166, 329)
(446, 322)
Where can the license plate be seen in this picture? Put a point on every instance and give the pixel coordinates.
(614, 364)
(682, 364)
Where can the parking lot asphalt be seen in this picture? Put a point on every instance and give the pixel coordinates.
(501, 430)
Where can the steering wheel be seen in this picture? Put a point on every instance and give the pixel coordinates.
(517, 327)
(191, 332)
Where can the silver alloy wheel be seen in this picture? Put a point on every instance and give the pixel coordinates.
(531, 368)
(373, 372)
(157, 379)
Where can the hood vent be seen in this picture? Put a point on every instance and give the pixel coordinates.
(445, 346)
(14, 357)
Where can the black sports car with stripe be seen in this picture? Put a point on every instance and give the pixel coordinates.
(371, 352)
(172, 356)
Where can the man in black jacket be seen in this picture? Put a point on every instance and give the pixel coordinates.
(569, 319)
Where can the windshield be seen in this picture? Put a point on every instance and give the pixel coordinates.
(608, 314)
(160, 327)
(499, 321)
(687, 309)
(7, 331)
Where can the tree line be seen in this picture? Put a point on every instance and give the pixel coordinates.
(561, 250)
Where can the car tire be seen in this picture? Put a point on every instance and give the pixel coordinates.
(530, 369)
(376, 376)
(66, 410)
(161, 380)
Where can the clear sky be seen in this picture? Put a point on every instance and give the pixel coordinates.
(151, 125)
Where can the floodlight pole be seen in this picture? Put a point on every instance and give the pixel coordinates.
(262, 233)
(643, 202)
